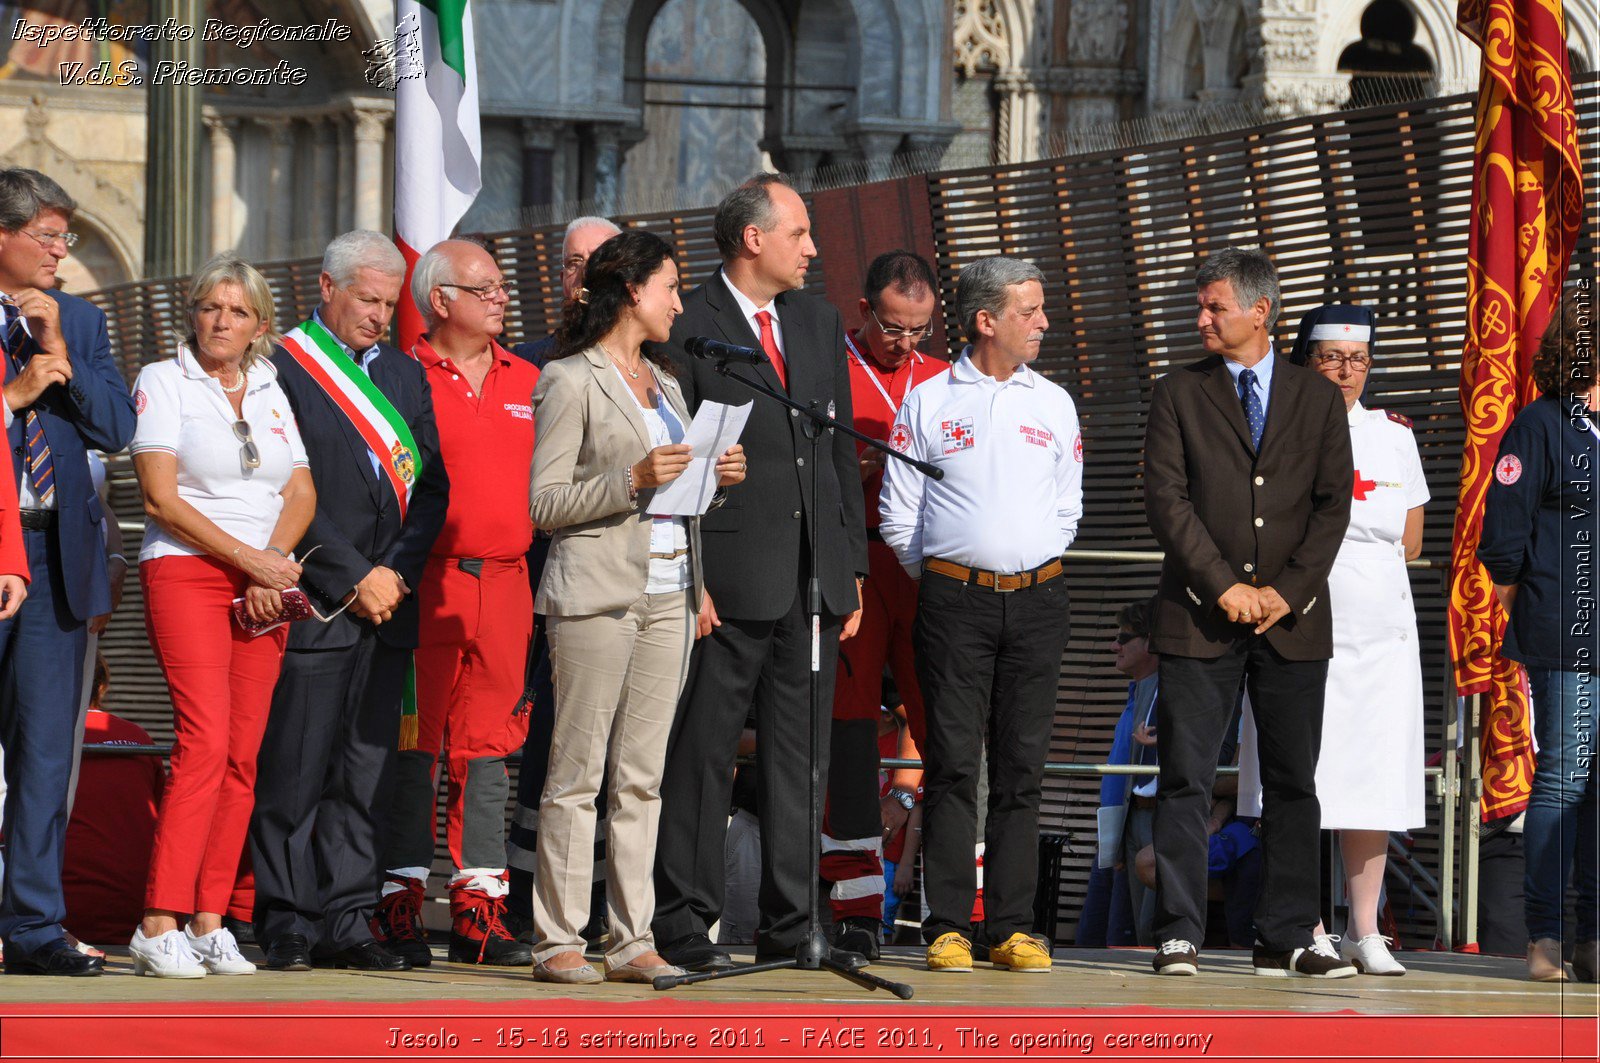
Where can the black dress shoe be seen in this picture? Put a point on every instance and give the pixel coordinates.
(243, 931)
(57, 958)
(368, 956)
(288, 952)
(858, 935)
(695, 952)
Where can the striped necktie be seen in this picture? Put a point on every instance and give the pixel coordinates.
(41, 470)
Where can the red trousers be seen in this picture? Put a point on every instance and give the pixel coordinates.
(471, 661)
(888, 608)
(221, 684)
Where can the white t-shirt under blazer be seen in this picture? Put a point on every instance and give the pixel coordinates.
(184, 412)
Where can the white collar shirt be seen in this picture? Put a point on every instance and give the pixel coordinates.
(364, 360)
(749, 309)
(1012, 456)
(183, 412)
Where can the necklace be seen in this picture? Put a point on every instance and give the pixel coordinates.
(632, 373)
(237, 384)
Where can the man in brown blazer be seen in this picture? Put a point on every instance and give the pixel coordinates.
(1248, 477)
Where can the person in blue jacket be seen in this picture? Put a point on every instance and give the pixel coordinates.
(1540, 532)
(63, 396)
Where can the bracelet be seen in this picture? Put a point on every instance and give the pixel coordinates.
(117, 557)
(277, 551)
(633, 493)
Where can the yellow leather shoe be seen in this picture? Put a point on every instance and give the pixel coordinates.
(950, 953)
(1021, 953)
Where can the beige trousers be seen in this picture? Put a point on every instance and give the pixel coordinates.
(617, 677)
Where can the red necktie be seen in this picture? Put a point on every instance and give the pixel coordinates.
(769, 343)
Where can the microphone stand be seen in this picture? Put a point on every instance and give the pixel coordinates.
(815, 954)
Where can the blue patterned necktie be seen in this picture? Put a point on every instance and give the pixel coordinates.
(41, 470)
(1254, 415)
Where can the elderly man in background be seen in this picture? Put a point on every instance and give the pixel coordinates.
(522, 840)
(583, 235)
(986, 542)
(476, 618)
(63, 396)
(365, 413)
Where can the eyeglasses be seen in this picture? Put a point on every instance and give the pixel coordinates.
(486, 292)
(916, 335)
(1357, 362)
(68, 240)
(574, 264)
(1125, 637)
(249, 455)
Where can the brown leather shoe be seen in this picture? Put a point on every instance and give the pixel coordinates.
(1544, 961)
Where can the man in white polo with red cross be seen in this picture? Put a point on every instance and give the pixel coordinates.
(986, 542)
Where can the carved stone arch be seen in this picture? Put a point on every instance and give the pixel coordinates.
(1181, 35)
(1454, 57)
(1583, 31)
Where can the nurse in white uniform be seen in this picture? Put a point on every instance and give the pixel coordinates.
(1370, 772)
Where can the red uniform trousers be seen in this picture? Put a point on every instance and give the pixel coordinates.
(221, 684)
(852, 824)
(471, 661)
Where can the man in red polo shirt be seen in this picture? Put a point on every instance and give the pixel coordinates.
(476, 620)
(897, 312)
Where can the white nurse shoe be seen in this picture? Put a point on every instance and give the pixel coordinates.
(1371, 955)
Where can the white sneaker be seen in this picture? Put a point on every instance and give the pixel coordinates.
(166, 956)
(219, 952)
(1371, 955)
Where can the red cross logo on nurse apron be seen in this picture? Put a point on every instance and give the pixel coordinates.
(1362, 487)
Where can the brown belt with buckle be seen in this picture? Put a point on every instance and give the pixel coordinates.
(1002, 582)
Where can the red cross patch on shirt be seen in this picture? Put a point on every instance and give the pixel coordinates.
(958, 435)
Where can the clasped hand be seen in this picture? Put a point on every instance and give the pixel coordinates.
(1261, 606)
(379, 594)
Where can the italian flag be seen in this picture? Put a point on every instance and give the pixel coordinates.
(438, 150)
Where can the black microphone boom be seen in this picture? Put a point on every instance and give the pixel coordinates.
(717, 351)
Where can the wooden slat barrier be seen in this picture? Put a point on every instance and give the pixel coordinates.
(1367, 206)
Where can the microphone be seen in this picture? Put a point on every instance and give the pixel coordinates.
(717, 351)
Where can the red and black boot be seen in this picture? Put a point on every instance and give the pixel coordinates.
(477, 934)
(397, 920)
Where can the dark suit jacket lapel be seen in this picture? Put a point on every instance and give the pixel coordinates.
(1220, 389)
(1283, 402)
(736, 328)
(798, 349)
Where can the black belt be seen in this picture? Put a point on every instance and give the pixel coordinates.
(36, 519)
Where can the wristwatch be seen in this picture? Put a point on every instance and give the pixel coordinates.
(906, 798)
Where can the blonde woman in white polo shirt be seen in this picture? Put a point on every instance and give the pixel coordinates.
(228, 493)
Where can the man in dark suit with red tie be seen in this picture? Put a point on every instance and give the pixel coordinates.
(1247, 488)
(755, 646)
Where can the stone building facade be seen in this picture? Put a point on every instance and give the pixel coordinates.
(645, 104)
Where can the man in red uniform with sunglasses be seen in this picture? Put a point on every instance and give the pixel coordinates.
(898, 308)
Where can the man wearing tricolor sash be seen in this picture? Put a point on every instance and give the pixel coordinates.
(366, 415)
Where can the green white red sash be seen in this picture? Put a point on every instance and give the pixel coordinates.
(370, 411)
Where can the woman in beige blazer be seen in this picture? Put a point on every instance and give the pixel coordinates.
(620, 592)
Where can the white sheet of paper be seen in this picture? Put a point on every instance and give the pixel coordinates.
(716, 427)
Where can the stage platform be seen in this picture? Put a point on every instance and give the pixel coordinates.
(1112, 979)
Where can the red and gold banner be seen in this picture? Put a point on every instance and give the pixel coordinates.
(1527, 202)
